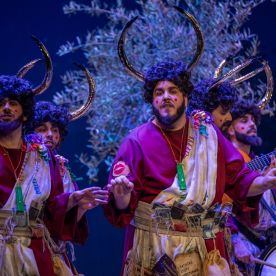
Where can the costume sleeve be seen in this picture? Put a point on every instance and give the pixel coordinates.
(62, 225)
(128, 162)
(238, 178)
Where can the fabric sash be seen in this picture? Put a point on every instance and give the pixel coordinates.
(200, 169)
(16, 258)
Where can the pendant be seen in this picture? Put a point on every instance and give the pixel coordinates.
(20, 206)
(181, 177)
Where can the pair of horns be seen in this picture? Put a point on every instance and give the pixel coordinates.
(74, 115)
(265, 67)
(140, 76)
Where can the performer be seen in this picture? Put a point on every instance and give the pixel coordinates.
(249, 240)
(33, 205)
(218, 101)
(168, 179)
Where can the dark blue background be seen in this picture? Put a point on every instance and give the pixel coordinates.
(101, 254)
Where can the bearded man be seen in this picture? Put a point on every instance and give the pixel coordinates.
(168, 180)
(248, 239)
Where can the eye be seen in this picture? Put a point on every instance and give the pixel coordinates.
(55, 130)
(40, 129)
(174, 91)
(13, 103)
(158, 92)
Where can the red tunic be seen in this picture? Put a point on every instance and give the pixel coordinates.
(152, 169)
(62, 225)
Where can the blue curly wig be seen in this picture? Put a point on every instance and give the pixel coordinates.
(174, 71)
(244, 107)
(20, 90)
(49, 112)
(201, 98)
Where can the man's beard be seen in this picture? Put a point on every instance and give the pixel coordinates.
(168, 121)
(254, 141)
(7, 127)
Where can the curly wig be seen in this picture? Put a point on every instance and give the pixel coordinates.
(244, 107)
(202, 98)
(20, 90)
(49, 112)
(174, 71)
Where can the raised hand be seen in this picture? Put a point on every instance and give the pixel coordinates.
(87, 199)
(121, 188)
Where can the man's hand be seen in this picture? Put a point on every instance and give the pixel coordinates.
(87, 199)
(262, 183)
(121, 188)
(271, 166)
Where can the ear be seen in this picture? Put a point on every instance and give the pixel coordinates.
(25, 118)
(186, 100)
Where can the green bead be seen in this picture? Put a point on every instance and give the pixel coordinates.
(181, 177)
(20, 206)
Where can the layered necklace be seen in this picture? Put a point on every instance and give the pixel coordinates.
(179, 165)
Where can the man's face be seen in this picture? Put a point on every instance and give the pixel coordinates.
(221, 116)
(245, 125)
(244, 130)
(50, 134)
(11, 115)
(169, 103)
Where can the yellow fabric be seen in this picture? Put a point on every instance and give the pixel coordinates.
(60, 267)
(226, 199)
(215, 265)
(245, 156)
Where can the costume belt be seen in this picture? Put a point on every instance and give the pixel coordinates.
(13, 225)
(161, 220)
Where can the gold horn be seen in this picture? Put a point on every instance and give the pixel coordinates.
(269, 78)
(74, 115)
(218, 71)
(25, 69)
(199, 37)
(122, 55)
(269, 86)
(49, 68)
(138, 75)
(231, 73)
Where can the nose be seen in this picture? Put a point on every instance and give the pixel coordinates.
(252, 123)
(49, 133)
(166, 94)
(228, 117)
(7, 105)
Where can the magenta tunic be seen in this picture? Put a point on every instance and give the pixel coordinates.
(62, 225)
(153, 168)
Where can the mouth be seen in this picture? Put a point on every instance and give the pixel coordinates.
(49, 143)
(167, 105)
(252, 132)
(6, 117)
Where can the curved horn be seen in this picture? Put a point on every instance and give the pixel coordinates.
(74, 115)
(138, 75)
(231, 73)
(25, 69)
(269, 78)
(219, 69)
(199, 37)
(269, 86)
(122, 55)
(49, 69)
